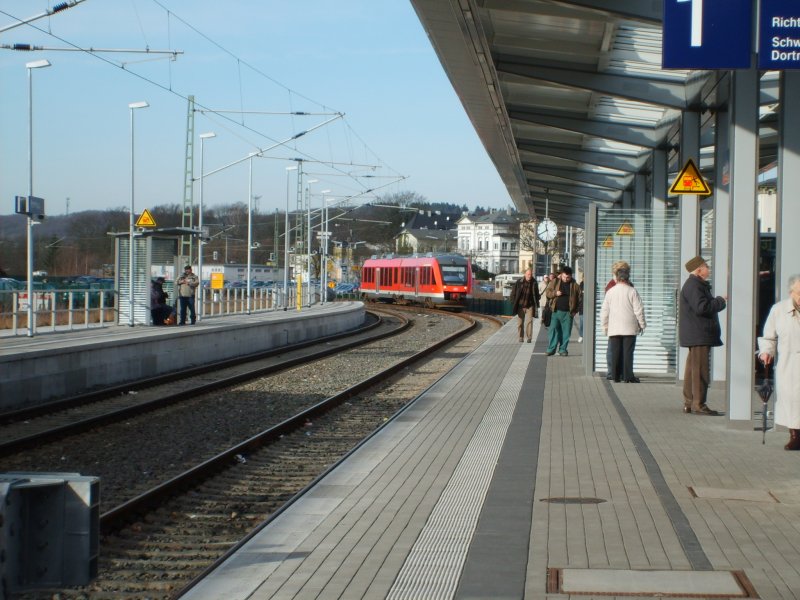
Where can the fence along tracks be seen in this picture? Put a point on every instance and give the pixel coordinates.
(157, 541)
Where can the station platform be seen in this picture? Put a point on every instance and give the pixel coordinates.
(51, 366)
(517, 476)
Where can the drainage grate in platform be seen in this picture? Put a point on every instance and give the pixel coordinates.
(666, 584)
(573, 500)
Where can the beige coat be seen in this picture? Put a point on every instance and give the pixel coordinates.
(622, 312)
(782, 335)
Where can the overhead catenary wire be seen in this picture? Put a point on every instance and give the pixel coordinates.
(289, 143)
(285, 143)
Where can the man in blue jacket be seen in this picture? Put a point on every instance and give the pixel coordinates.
(699, 330)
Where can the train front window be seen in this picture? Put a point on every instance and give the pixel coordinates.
(454, 274)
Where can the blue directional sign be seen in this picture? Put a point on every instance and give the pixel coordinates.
(707, 34)
(779, 35)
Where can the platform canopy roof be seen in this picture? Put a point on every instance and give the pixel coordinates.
(567, 96)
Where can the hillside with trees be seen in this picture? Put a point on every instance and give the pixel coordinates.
(81, 243)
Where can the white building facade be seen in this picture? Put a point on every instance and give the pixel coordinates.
(491, 241)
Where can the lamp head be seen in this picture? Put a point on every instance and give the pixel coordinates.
(142, 104)
(37, 64)
(209, 135)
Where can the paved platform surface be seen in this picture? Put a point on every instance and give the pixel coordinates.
(517, 476)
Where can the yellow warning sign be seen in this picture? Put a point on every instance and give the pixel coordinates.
(217, 281)
(690, 181)
(146, 219)
(625, 229)
(608, 242)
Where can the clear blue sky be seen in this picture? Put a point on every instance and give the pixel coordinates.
(369, 59)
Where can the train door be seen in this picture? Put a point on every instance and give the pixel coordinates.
(377, 279)
(416, 281)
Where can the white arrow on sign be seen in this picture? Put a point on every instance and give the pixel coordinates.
(697, 22)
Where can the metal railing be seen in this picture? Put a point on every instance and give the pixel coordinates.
(68, 310)
(57, 310)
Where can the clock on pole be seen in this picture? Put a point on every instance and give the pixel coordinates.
(547, 230)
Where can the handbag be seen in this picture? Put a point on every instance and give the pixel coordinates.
(547, 313)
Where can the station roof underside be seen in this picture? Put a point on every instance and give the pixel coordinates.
(568, 96)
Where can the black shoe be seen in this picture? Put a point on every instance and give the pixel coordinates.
(550, 353)
(617, 380)
(563, 353)
(610, 377)
(704, 410)
(633, 380)
(687, 410)
(529, 341)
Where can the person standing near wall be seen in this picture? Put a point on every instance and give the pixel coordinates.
(622, 319)
(699, 330)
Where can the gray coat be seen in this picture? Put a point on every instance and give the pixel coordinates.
(698, 316)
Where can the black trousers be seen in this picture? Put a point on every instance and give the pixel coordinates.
(187, 303)
(620, 349)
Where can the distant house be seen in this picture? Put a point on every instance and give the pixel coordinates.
(428, 231)
(492, 241)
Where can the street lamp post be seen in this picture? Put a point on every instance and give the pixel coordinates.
(37, 64)
(249, 230)
(323, 246)
(203, 138)
(308, 244)
(132, 106)
(286, 245)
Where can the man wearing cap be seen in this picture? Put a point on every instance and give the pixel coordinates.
(699, 330)
(187, 284)
(564, 296)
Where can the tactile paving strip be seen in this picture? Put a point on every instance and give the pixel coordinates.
(433, 567)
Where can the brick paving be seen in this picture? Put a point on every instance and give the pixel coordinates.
(629, 446)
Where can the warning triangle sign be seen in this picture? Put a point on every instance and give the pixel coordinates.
(625, 229)
(690, 181)
(608, 242)
(146, 219)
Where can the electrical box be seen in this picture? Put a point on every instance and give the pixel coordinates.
(49, 530)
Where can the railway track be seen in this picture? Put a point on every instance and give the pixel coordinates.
(155, 544)
(43, 424)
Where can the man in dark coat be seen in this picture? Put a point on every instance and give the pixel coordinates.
(699, 330)
(524, 302)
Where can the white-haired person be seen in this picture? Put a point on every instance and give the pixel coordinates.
(622, 319)
(781, 340)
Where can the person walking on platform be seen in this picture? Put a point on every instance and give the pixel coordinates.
(564, 296)
(187, 284)
(543, 285)
(699, 330)
(524, 304)
(782, 337)
(622, 319)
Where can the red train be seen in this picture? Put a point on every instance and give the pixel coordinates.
(444, 280)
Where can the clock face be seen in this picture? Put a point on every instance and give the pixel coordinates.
(547, 230)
